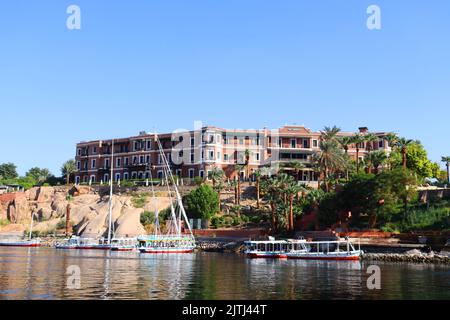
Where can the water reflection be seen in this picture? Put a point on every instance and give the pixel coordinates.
(40, 273)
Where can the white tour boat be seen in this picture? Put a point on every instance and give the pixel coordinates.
(302, 249)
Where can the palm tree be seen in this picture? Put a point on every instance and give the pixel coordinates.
(370, 138)
(258, 175)
(345, 142)
(68, 168)
(217, 175)
(297, 166)
(271, 188)
(375, 160)
(329, 158)
(358, 140)
(330, 133)
(238, 168)
(247, 162)
(392, 140)
(292, 190)
(403, 144)
(446, 160)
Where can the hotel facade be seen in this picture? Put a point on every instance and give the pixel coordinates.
(195, 153)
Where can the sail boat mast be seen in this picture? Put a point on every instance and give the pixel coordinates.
(180, 201)
(111, 193)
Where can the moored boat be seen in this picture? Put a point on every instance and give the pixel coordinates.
(166, 244)
(124, 244)
(30, 242)
(20, 243)
(175, 239)
(302, 249)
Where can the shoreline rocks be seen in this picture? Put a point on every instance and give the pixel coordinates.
(413, 256)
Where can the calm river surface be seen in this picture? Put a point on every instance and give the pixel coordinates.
(40, 273)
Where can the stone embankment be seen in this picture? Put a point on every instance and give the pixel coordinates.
(413, 256)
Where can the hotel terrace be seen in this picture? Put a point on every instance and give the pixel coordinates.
(195, 153)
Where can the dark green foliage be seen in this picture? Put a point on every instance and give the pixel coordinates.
(202, 202)
(8, 171)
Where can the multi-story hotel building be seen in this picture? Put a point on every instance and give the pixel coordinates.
(195, 153)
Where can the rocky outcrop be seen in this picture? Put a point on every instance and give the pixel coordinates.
(89, 211)
(19, 210)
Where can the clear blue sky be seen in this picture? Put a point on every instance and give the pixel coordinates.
(140, 64)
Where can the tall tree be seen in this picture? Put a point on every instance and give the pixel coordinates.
(392, 140)
(38, 174)
(8, 171)
(330, 133)
(216, 175)
(403, 145)
(329, 158)
(358, 140)
(376, 159)
(68, 168)
(446, 160)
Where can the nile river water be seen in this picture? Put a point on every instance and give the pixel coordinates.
(41, 273)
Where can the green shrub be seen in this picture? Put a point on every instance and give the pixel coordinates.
(147, 218)
(4, 222)
(202, 202)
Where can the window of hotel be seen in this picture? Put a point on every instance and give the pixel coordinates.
(258, 141)
(305, 143)
(118, 162)
(191, 173)
(293, 143)
(219, 156)
(147, 159)
(134, 160)
(141, 159)
(127, 161)
(381, 144)
(78, 165)
(77, 180)
(133, 175)
(147, 175)
(93, 163)
(159, 159)
(85, 179)
(106, 163)
(106, 177)
(211, 155)
(141, 175)
(315, 143)
(95, 150)
(208, 174)
(160, 174)
(225, 157)
(125, 176)
(192, 142)
(280, 142)
(79, 154)
(192, 158)
(149, 145)
(257, 155)
(86, 165)
(201, 174)
(117, 176)
(178, 172)
(218, 138)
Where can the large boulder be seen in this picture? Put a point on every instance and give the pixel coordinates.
(19, 210)
(45, 194)
(128, 224)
